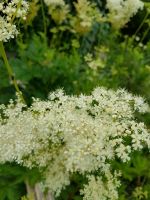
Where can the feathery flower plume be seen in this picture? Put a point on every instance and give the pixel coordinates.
(80, 134)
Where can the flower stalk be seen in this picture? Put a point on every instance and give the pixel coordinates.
(10, 71)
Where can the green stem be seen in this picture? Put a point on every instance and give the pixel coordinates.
(10, 71)
(18, 6)
(140, 26)
(44, 19)
(145, 34)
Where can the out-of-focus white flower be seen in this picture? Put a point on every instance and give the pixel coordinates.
(120, 11)
(54, 2)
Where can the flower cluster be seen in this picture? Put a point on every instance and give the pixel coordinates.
(9, 10)
(97, 189)
(121, 11)
(81, 21)
(86, 15)
(74, 134)
(58, 10)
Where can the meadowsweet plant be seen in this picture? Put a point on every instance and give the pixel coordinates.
(9, 11)
(58, 10)
(121, 11)
(86, 15)
(75, 134)
(83, 18)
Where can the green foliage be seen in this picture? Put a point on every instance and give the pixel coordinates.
(40, 69)
(136, 173)
(12, 181)
(73, 191)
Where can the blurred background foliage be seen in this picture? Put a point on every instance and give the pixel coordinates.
(50, 54)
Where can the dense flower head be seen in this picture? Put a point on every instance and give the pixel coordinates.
(120, 11)
(7, 30)
(74, 134)
(9, 11)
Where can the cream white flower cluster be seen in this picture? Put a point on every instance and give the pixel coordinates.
(120, 11)
(7, 30)
(97, 190)
(9, 10)
(74, 134)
